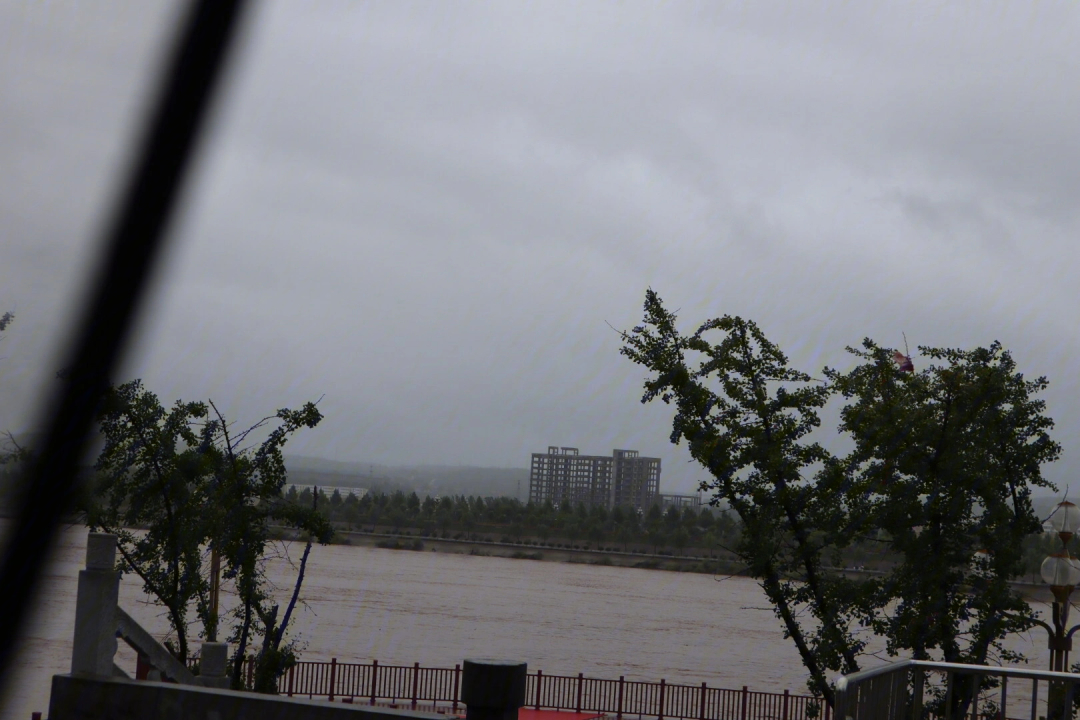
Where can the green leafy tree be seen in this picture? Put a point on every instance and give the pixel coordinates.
(193, 485)
(656, 535)
(154, 472)
(247, 488)
(749, 432)
(944, 463)
(572, 529)
(594, 530)
(10, 450)
(706, 520)
(680, 539)
(952, 450)
(655, 514)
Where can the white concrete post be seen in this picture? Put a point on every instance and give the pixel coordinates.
(94, 644)
(213, 663)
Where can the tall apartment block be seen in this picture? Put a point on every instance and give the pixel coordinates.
(562, 475)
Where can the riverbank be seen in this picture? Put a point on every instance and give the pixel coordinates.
(515, 551)
(1033, 592)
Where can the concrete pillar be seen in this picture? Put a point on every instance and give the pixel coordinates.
(94, 644)
(493, 689)
(213, 665)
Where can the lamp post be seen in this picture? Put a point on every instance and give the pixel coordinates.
(1061, 571)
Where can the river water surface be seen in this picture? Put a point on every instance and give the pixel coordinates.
(401, 607)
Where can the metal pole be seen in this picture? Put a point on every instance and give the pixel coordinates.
(580, 680)
(215, 588)
(457, 685)
(949, 682)
(374, 679)
(917, 692)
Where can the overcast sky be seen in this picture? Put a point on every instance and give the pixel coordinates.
(429, 213)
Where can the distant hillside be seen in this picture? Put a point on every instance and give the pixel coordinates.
(421, 479)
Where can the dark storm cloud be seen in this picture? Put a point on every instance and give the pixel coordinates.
(429, 212)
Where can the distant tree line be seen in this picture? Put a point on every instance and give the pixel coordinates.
(703, 532)
(508, 519)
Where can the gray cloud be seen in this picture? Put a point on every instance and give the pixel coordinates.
(429, 213)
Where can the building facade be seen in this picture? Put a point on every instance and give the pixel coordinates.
(563, 475)
(680, 501)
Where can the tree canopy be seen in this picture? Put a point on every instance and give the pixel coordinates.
(195, 490)
(943, 464)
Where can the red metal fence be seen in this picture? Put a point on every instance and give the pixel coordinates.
(439, 689)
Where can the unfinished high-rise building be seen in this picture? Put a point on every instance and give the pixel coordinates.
(563, 475)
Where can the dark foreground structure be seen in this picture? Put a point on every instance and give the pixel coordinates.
(96, 689)
(84, 697)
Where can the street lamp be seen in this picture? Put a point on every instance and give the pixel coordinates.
(1061, 571)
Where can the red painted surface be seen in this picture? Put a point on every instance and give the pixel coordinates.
(531, 714)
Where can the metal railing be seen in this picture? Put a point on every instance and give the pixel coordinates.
(439, 689)
(921, 690)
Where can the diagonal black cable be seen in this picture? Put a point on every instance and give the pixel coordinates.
(131, 243)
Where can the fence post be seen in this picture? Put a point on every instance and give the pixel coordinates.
(415, 683)
(142, 667)
(539, 679)
(94, 642)
(333, 677)
(457, 684)
(618, 714)
(214, 665)
(292, 674)
(917, 693)
(744, 699)
(251, 671)
(701, 713)
(493, 689)
(663, 686)
(786, 698)
(374, 679)
(580, 680)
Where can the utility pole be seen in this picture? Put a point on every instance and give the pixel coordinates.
(215, 588)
